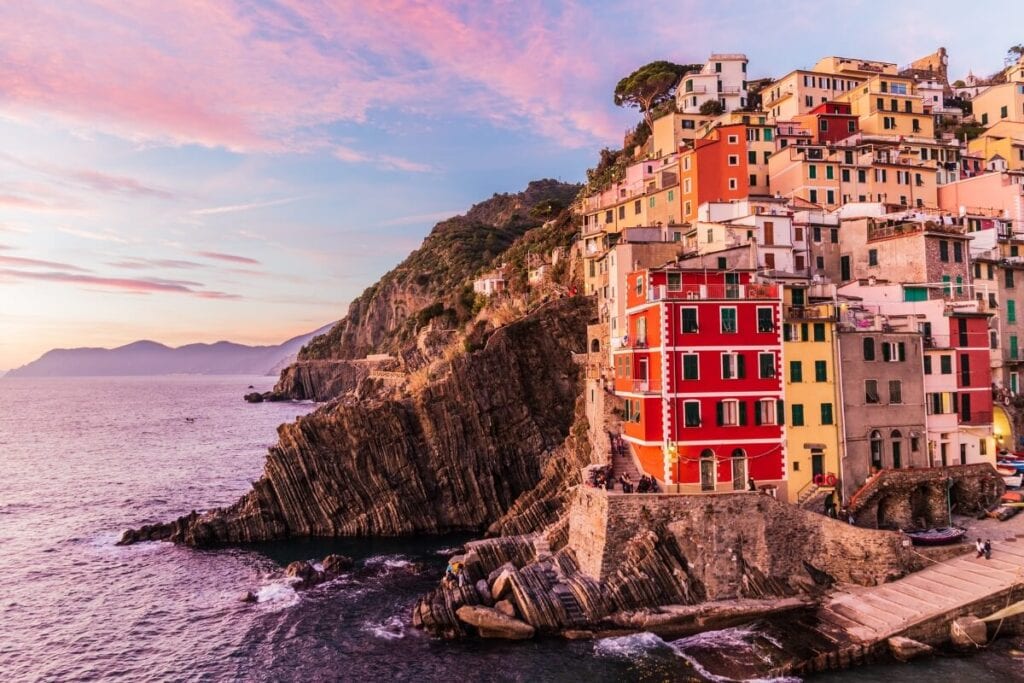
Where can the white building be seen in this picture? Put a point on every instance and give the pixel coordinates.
(723, 78)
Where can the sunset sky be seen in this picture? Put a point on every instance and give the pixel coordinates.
(196, 171)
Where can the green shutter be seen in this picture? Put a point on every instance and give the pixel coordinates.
(757, 412)
(780, 411)
(886, 352)
(902, 348)
(743, 413)
(741, 369)
(719, 413)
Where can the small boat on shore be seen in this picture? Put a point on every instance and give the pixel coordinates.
(1006, 470)
(1013, 482)
(940, 536)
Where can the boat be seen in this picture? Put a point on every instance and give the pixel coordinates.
(940, 536)
(1006, 470)
(1006, 511)
(1017, 466)
(1012, 497)
(1013, 482)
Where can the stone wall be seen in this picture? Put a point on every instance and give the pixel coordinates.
(730, 538)
(914, 498)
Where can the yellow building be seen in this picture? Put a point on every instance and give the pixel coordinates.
(813, 410)
(1003, 102)
(800, 91)
(672, 130)
(1004, 139)
(889, 105)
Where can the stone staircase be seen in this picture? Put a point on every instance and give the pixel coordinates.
(813, 499)
(870, 615)
(623, 463)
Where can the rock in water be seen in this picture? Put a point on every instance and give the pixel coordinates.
(494, 624)
(484, 591)
(248, 596)
(254, 397)
(335, 564)
(905, 649)
(968, 632)
(305, 574)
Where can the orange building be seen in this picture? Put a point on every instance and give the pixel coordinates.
(714, 169)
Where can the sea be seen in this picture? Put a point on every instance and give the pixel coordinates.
(83, 459)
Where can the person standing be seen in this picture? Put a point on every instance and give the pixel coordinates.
(751, 486)
(980, 547)
(988, 549)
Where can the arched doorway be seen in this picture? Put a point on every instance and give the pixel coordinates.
(595, 345)
(897, 449)
(1002, 429)
(875, 440)
(739, 469)
(707, 470)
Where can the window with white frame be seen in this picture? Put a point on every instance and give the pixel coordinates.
(728, 314)
(766, 411)
(734, 139)
(691, 413)
(734, 160)
(730, 413)
(733, 184)
(732, 365)
(766, 365)
(691, 366)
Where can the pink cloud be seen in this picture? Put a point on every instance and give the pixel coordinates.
(232, 258)
(20, 262)
(244, 76)
(129, 285)
(90, 178)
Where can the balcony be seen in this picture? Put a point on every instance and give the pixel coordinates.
(823, 312)
(646, 386)
(714, 291)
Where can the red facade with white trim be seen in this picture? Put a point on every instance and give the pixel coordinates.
(701, 373)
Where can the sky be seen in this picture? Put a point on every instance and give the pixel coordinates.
(241, 169)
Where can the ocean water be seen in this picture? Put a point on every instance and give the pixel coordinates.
(83, 459)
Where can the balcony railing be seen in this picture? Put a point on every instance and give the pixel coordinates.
(714, 291)
(646, 386)
(811, 313)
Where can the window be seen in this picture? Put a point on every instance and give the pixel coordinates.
(766, 411)
(812, 196)
(733, 366)
(871, 391)
(830, 196)
(944, 251)
(689, 320)
(1008, 277)
(751, 157)
(622, 212)
(965, 407)
(812, 171)
(958, 252)
(637, 207)
(671, 195)
(675, 282)
(862, 176)
(1003, 112)
(639, 285)
(851, 126)
(728, 320)
(1011, 311)
(733, 184)
(895, 391)
(734, 139)
(609, 217)
(872, 257)
(830, 172)
(803, 332)
(798, 415)
(946, 365)
(765, 320)
(869, 348)
(691, 413)
(927, 365)
(820, 371)
(826, 413)
(816, 232)
(707, 469)
(690, 366)
(796, 371)
(965, 370)
(766, 363)
(734, 160)
(984, 119)
(650, 203)
(731, 413)
(845, 175)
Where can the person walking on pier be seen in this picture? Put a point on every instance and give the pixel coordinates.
(980, 547)
(988, 549)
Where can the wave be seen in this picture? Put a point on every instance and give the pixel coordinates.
(740, 648)
(631, 646)
(277, 596)
(392, 628)
(389, 561)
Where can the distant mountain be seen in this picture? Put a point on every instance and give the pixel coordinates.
(150, 358)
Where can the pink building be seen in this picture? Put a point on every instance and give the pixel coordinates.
(987, 194)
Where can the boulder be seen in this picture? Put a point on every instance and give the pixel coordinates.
(491, 623)
(484, 591)
(905, 649)
(335, 564)
(305, 574)
(505, 607)
(502, 585)
(968, 632)
(248, 596)
(493, 576)
(254, 397)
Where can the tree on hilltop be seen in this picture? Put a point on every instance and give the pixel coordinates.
(649, 86)
(1015, 52)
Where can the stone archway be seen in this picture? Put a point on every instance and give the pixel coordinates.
(922, 513)
(890, 510)
(595, 345)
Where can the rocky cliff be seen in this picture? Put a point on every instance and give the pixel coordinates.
(455, 455)
(433, 283)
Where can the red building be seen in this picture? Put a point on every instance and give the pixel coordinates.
(830, 122)
(700, 375)
(969, 334)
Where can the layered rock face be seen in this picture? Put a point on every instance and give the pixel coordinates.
(453, 457)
